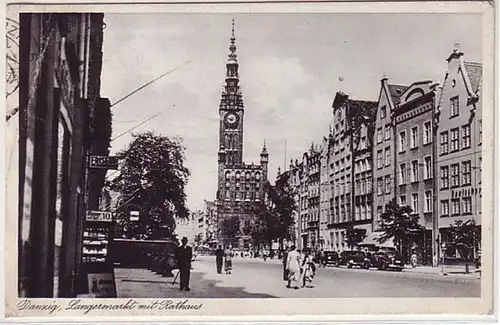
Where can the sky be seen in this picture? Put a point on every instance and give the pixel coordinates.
(291, 66)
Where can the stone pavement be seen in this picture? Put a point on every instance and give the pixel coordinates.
(142, 283)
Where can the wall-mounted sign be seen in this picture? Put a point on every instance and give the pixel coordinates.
(103, 162)
(100, 216)
(134, 215)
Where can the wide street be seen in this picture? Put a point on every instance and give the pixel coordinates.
(254, 278)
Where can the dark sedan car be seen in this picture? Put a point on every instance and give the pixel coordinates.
(389, 261)
(331, 258)
(359, 259)
(345, 257)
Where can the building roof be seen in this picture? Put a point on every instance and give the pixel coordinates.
(363, 107)
(475, 72)
(395, 91)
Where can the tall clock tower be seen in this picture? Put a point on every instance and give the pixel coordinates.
(240, 186)
(231, 112)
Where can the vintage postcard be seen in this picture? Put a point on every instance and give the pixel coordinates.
(178, 161)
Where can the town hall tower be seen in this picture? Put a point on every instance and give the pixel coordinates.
(240, 185)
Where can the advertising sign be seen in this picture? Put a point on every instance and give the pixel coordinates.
(134, 215)
(99, 216)
(103, 162)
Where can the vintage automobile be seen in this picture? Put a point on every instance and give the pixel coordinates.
(328, 258)
(345, 256)
(388, 261)
(359, 259)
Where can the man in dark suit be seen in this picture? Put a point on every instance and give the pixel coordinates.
(184, 256)
(219, 255)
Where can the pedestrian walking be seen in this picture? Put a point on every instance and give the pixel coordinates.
(219, 257)
(293, 267)
(228, 260)
(184, 256)
(284, 260)
(308, 269)
(414, 260)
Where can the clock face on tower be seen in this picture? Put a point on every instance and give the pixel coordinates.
(231, 120)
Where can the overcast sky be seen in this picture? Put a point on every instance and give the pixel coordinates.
(290, 69)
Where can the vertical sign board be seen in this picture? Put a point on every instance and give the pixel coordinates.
(98, 267)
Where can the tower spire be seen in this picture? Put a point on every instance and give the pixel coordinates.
(232, 47)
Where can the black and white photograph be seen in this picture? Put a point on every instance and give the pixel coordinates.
(245, 154)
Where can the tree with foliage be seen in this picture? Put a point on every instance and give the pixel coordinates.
(152, 181)
(274, 217)
(230, 229)
(465, 237)
(354, 236)
(398, 223)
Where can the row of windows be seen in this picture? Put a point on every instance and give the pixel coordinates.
(384, 157)
(237, 175)
(450, 175)
(413, 170)
(456, 208)
(413, 139)
(450, 140)
(384, 134)
(414, 204)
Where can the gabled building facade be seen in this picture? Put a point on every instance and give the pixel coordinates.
(414, 160)
(383, 148)
(351, 142)
(460, 140)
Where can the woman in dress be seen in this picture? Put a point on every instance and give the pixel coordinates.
(293, 267)
(228, 260)
(308, 269)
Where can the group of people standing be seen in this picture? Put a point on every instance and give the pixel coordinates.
(298, 268)
(225, 256)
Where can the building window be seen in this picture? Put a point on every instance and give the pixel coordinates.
(383, 112)
(388, 156)
(414, 137)
(466, 173)
(466, 136)
(414, 202)
(380, 186)
(402, 200)
(445, 174)
(402, 141)
(454, 139)
(380, 159)
(388, 184)
(480, 131)
(455, 206)
(379, 135)
(427, 167)
(455, 175)
(379, 212)
(427, 132)
(445, 207)
(414, 171)
(467, 204)
(428, 201)
(444, 142)
(387, 132)
(402, 174)
(454, 106)
(362, 144)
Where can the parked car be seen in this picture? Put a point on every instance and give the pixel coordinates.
(329, 258)
(388, 261)
(345, 257)
(359, 259)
